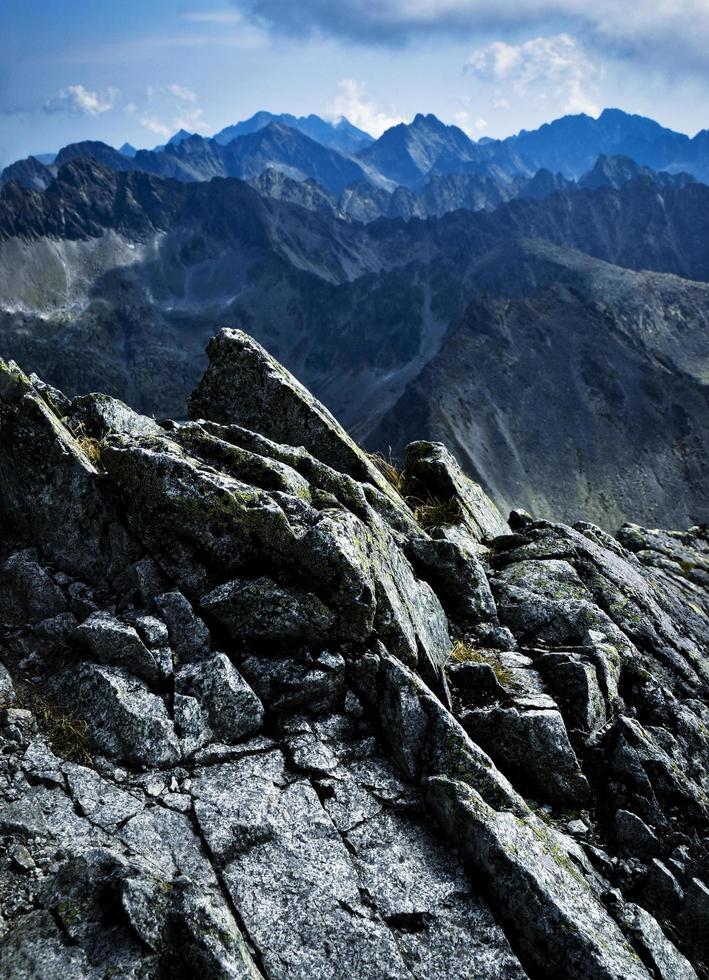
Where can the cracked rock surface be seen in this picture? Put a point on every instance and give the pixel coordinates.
(266, 713)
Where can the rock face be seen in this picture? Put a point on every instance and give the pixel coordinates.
(266, 712)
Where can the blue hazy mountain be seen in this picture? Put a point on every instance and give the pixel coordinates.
(338, 134)
(409, 151)
(409, 155)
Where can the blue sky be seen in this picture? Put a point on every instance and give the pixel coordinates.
(137, 70)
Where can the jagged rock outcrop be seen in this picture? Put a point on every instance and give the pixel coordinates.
(271, 709)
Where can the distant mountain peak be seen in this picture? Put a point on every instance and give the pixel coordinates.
(611, 112)
(619, 169)
(179, 137)
(337, 134)
(407, 152)
(429, 119)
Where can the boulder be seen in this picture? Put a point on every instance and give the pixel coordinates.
(476, 683)
(49, 489)
(109, 641)
(28, 593)
(456, 574)
(529, 742)
(634, 835)
(315, 682)
(189, 637)
(7, 689)
(229, 705)
(123, 719)
(259, 609)
(667, 961)
(98, 415)
(574, 686)
(559, 925)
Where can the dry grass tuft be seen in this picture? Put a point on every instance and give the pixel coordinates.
(65, 732)
(465, 653)
(438, 513)
(390, 470)
(91, 448)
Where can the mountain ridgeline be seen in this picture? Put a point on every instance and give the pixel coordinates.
(539, 304)
(408, 153)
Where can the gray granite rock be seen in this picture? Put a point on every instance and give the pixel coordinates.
(574, 685)
(29, 594)
(529, 742)
(667, 961)
(313, 801)
(432, 474)
(259, 609)
(70, 521)
(456, 574)
(188, 635)
(634, 835)
(7, 689)
(558, 921)
(278, 406)
(122, 717)
(109, 641)
(287, 684)
(98, 800)
(227, 703)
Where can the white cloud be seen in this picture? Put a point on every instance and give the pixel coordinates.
(472, 128)
(171, 107)
(182, 93)
(546, 69)
(155, 125)
(79, 101)
(352, 103)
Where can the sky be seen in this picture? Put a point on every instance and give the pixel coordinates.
(139, 70)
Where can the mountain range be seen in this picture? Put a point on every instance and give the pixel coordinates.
(413, 156)
(322, 653)
(589, 303)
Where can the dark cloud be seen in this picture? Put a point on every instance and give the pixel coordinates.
(669, 36)
(390, 22)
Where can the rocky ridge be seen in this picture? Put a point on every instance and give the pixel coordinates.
(245, 665)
